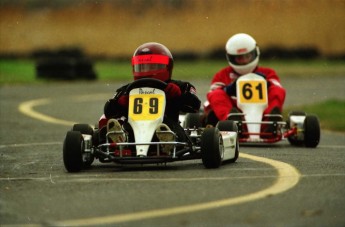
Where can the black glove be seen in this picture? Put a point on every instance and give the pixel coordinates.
(112, 109)
(231, 88)
(190, 103)
(109, 107)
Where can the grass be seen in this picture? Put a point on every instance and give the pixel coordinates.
(205, 69)
(23, 71)
(17, 71)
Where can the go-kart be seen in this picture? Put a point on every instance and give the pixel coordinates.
(145, 115)
(300, 129)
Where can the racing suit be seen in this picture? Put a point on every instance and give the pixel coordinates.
(222, 94)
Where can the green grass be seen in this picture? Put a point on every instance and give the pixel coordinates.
(295, 68)
(23, 71)
(302, 68)
(330, 113)
(120, 70)
(17, 71)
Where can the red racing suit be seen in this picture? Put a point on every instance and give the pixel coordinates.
(221, 103)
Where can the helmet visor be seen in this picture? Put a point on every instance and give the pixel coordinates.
(242, 59)
(147, 63)
(148, 67)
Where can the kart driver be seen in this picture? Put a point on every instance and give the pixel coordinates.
(152, 60)
(242, 54)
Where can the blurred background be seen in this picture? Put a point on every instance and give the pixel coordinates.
(304, 41)
(190, 28)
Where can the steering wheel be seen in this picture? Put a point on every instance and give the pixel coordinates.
(147, 82)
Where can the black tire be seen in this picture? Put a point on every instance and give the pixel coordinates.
(211, 148)
(73, 148)
(295, 142)
(88, 162)
(192, 120)
(227, 125)
(83, 129)
(311, 131)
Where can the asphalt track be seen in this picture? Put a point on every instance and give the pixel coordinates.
(277, 185)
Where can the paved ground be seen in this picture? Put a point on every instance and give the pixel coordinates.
(275, 185)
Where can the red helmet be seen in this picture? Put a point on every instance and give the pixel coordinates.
(152, 60)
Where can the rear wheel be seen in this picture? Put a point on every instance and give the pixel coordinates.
(73, 148)
(311, 131)
(212, 148)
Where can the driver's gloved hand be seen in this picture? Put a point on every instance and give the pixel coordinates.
(172, 91)
(231, 88)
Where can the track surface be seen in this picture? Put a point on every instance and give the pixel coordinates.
(276, 185)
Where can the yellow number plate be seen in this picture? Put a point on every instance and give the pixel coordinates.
(143, 107)
(252, 91)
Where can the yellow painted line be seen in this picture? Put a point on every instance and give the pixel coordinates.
(27, 108)
(288, 177)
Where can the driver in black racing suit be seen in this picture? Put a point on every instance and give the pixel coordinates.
(152, 60)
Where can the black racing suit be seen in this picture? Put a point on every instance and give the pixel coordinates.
(188, 102)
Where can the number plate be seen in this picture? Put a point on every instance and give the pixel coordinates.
(252, 91)
(146, 106)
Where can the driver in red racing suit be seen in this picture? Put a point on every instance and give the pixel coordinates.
(151, 60)
(243, 56)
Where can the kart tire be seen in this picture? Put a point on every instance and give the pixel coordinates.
(311, 131)
(192, 120)
(227, 125)
(72, 151)
(211, 148)
(83, 129)
(295, 142)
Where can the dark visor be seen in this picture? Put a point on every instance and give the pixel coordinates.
(242, 59)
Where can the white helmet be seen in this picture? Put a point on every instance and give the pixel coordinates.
(242, 46)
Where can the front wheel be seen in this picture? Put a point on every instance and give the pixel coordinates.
(311, 131)
(73, 148)
(212, 148)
